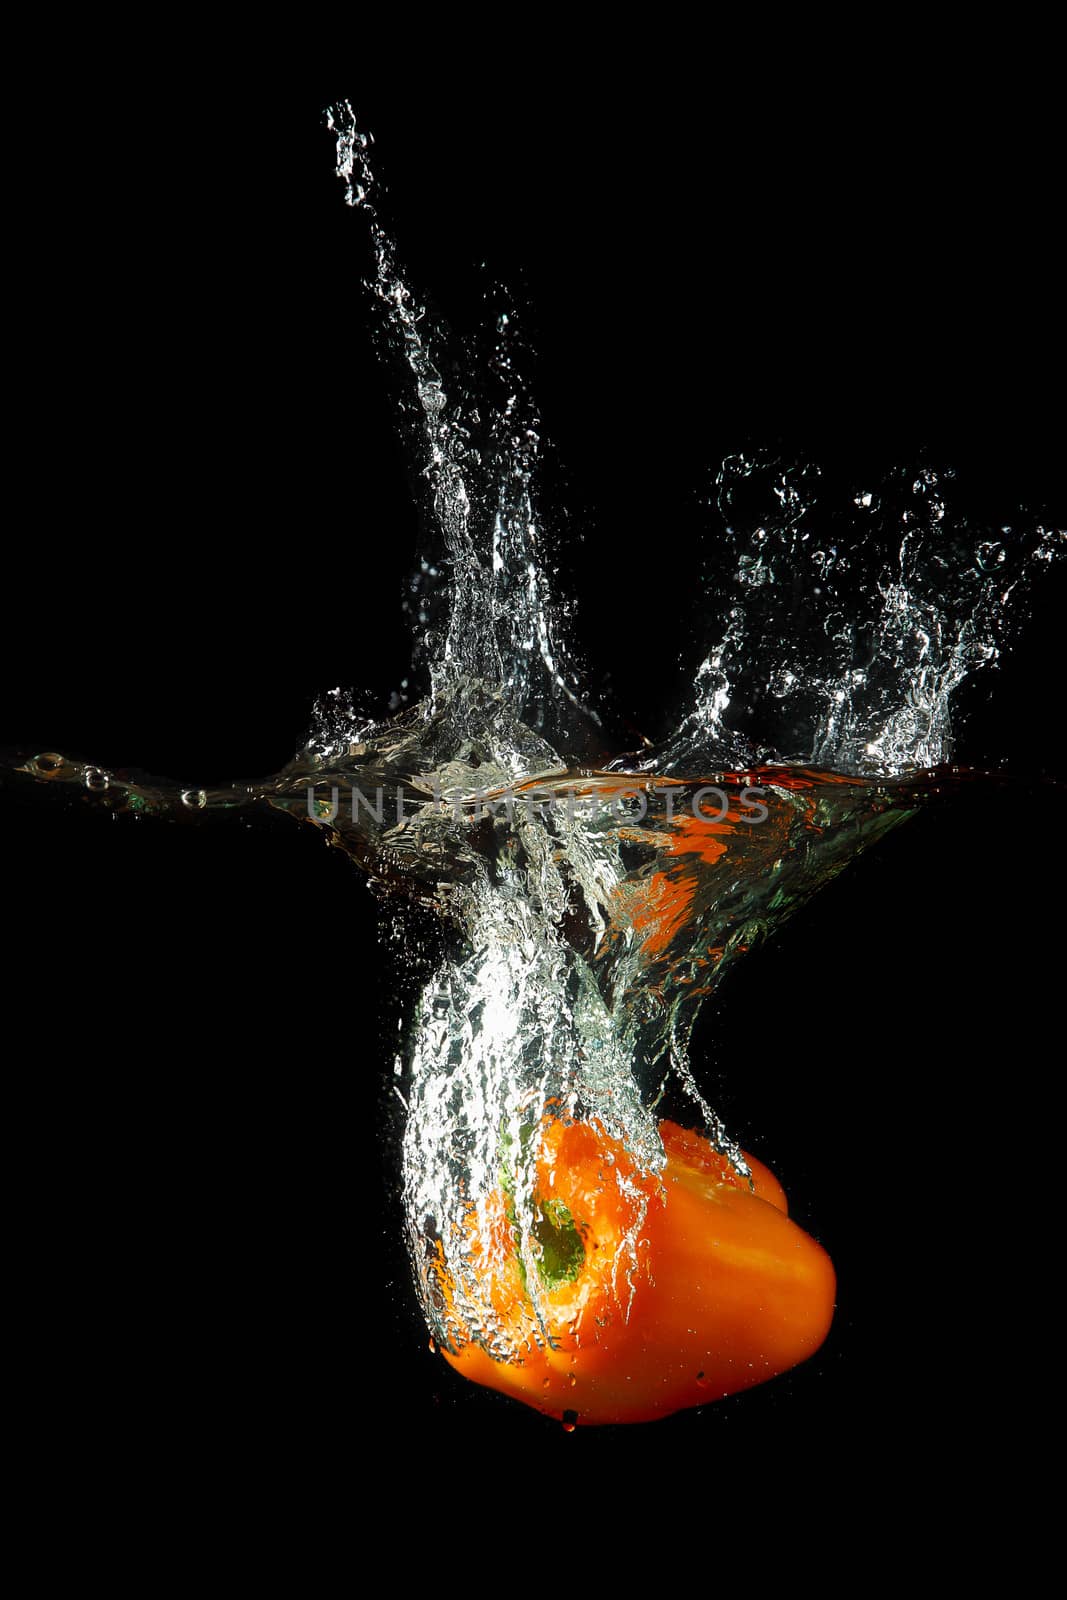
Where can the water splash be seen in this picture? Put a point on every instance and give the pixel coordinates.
(596, 905)
(846, 628)
(479, 453)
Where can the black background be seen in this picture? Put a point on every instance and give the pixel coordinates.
(215, 523)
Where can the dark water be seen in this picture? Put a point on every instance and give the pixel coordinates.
(203, 1013)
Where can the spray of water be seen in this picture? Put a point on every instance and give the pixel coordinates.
(595, 909)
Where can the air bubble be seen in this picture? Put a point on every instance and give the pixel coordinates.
(96, 778)
(195, 799)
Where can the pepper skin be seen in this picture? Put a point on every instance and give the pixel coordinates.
(726, 1290)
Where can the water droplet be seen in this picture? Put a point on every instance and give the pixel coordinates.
(546, 1384)
(195, 799)
(866, 499)
(96, 779)
(432, 1347)
(570, 1421)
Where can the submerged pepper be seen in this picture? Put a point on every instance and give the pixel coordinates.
(719, 1291)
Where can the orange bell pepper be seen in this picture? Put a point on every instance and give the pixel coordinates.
(720, 1292)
